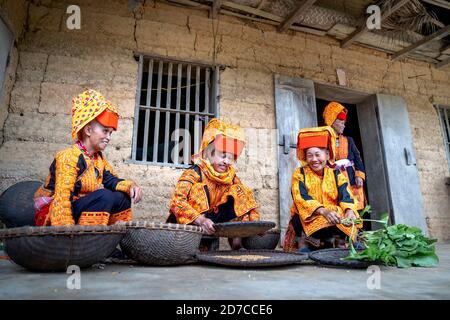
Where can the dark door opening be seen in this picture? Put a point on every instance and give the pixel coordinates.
(351, 130)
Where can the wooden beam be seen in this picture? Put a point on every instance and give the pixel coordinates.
(193, 4)
(261, 4)
(293, 16)
(273, 23)
(442, 63)
(435, 36)
(439, 3)
(355, 35)
(252, 10)
(215, 8)
(446, 49)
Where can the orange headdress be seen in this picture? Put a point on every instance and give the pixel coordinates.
(333, 111)
(90, 105)
(226, 137)
(320, 137)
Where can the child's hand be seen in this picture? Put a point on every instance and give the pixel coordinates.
(206, 224)
(135, 193)
(331, 216)
(359, 182)
(349, 216)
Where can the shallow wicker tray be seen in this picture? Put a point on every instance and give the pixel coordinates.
(332, 257)
(155, 243)
(242, 229)
(230, 258)
(56, 248)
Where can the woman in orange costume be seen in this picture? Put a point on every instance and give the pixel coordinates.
(321, 195)
(335, 116)
(81, 187)
(210, 192)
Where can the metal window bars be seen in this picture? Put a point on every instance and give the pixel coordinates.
(444, 118)
(174, 102)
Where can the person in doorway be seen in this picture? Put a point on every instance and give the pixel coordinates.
(81, 187)
(321, 195)
(348, 158)
(210, 192)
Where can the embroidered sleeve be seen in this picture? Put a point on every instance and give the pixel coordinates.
(305, 204)
(252, 215)
(360, 174)
(179, 204)
(346, 199)
(124, 186)
(111, 180)
(65, 178)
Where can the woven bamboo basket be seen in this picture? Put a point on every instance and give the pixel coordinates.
(155, 243)
(57, 247)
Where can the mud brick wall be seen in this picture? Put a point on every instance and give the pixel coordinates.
(54, 63)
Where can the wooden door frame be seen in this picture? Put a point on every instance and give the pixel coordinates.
(331, 92)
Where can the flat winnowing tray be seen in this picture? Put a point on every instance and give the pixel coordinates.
(251, 258)
(333, 257)
(242, 229)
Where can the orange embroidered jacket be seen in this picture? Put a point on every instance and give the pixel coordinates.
(310, 192)
(73, 175)
(195, 194)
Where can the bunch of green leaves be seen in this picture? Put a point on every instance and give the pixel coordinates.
(397, 245)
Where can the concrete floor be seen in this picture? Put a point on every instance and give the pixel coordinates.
(199, 282)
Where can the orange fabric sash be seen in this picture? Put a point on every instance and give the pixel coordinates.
(222, 178)
(342, 149)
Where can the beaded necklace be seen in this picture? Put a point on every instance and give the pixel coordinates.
(85, 151)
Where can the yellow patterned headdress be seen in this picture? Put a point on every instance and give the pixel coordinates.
(333, 111)
(87, 106)
(228, 135)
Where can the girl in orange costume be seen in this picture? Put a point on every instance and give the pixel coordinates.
(81, 187)
(321, 195)
(210, 192)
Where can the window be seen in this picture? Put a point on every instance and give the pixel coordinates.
(444, 117)
(174, 102)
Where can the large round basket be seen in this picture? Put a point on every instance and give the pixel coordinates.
(251, 258)
(267, 241)
(16, 204)
(333, 257)
(56, 248)
(237, 229)
(156, 243)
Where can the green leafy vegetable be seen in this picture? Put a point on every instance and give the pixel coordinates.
(397, 245)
